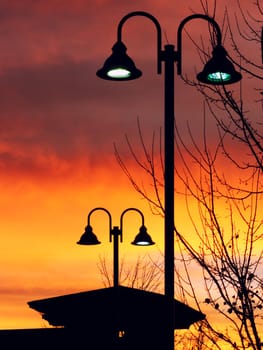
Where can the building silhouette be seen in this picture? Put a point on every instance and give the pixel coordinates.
(115, 318)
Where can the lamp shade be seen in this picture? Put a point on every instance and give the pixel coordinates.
(219, 70)
(143, 238)
(88, 237)
(119, 66)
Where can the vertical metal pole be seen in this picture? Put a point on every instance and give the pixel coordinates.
(115, 232)
(169, 59)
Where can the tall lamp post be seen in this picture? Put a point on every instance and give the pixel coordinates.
(218, 71)
(141, 239)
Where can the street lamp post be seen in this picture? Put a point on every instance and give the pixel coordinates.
(218, 71)
(141, 239)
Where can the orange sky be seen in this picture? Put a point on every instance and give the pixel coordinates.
(58, 125)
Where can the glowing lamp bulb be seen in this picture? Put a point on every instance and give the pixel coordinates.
(119, 73)
(219, 77)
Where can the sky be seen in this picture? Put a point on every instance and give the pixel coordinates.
(59, 123)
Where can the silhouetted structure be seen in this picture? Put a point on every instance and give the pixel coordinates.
(112, 318)
(116, 317)
(37, 339)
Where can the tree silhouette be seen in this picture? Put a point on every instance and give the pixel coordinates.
(146, 274)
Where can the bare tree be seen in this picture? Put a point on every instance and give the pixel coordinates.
(229, 235)
(146, 274)
(225, 243)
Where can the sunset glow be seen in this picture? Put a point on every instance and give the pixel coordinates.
(59, 126)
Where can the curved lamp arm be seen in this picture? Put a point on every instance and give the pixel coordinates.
(131, 209)
(158, 28)
(179, 35)
(217, 71)
(124, 212)
(109, 215)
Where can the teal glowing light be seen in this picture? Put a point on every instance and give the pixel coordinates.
(219, 70)
(218, 77)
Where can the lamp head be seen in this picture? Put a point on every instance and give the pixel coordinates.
(119, 66)
(88, 237)
(219, 70)
(143, 238)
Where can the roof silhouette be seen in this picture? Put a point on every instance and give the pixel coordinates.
(122, 306)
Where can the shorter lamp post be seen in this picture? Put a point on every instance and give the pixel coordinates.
(141, 239)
